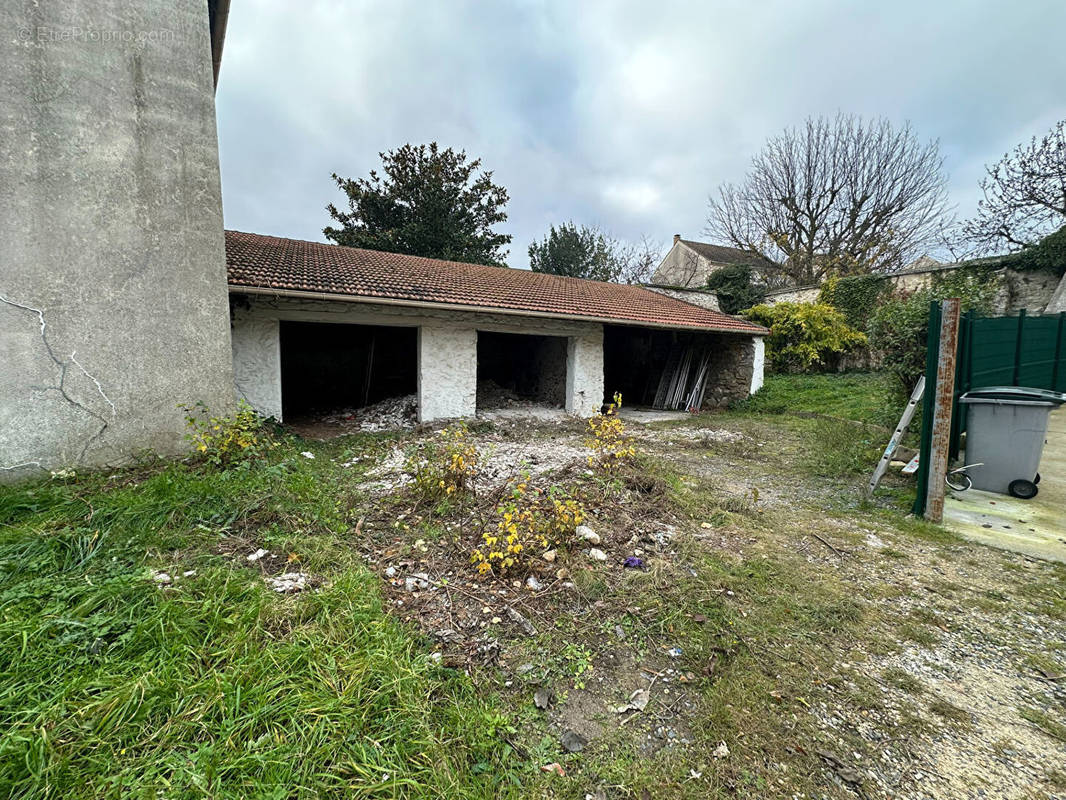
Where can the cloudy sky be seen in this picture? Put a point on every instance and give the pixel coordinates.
(623, 114)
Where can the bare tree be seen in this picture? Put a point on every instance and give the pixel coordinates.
(1024, 195)
(838, 196)
(637, 262)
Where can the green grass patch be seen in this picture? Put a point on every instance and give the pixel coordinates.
(214, 686)
(869, 397)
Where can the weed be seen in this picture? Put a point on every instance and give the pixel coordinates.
(224, 440)
(949, 711)
(530, 522)
(607, 440)
(443, 468)
(1045, 722)
(902, 680)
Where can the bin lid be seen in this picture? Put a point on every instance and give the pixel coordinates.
(1015, 393)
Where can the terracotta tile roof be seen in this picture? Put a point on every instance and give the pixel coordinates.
(289, 265)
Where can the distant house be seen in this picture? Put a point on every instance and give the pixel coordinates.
(688, 264)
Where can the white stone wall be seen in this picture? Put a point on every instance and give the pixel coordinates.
(758, 367)
(447, 351)
(447, 372)
(584, 373)
(257, 362)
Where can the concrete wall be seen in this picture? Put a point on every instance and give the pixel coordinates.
(257, 361)
(447, 351)
(113, 305)
(584, 373)
(447, 372)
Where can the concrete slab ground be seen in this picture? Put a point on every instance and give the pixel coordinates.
(1034, 527)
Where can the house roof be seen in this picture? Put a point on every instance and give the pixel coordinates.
(720, 254)
(293, 267)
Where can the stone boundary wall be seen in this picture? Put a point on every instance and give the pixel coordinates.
(1032, 290)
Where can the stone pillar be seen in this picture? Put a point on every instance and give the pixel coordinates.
(447, 373)
(257, 362)
(759, 365)
(584, 373)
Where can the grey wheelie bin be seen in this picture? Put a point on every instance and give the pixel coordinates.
(1005, 434)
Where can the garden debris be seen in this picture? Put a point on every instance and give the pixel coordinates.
(721, 751)
(257, 555)
(632, 562)
(587, 534)
(289, 582)
(674, 652)
(524, 624)
(542, 697)
(597, 555)
(162, 578)
(554, 767)
(549, 556)
(418, 580)
(308, 454)
(533, 584)
(638, 701)
(572, 741)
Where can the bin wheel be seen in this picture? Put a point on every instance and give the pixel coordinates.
(1022, 488)
(1037, 478)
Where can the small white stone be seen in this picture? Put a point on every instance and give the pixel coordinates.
(549, 555)
(586, 533)
(258, 554)
(307, 454)
(597, 555)
(533, 584)
(162, 578)
(721, 751)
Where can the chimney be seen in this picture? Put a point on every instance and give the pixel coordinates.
(677, 238)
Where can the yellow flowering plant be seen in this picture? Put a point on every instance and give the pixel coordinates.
(528, 523)
(607, 439)
(224, 440)
(445, 466)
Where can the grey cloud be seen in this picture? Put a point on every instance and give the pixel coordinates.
(621, 113)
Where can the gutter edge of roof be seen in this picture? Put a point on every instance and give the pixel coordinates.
(514, 312)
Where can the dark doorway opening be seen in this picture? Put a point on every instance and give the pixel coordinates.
(515, 368)
(326, 367)
(633, 361)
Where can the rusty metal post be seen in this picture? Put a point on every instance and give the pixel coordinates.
(945, 390)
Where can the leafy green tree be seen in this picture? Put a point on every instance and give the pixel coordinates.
(429, 202)
(582, 251)
(736, 288)
(805, 336)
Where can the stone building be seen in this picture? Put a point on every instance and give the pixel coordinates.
(318, 326)
(688, 264)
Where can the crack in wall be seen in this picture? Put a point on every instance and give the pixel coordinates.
(61, 385)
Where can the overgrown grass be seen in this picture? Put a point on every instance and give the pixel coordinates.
(214, 686)
(869, 397)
